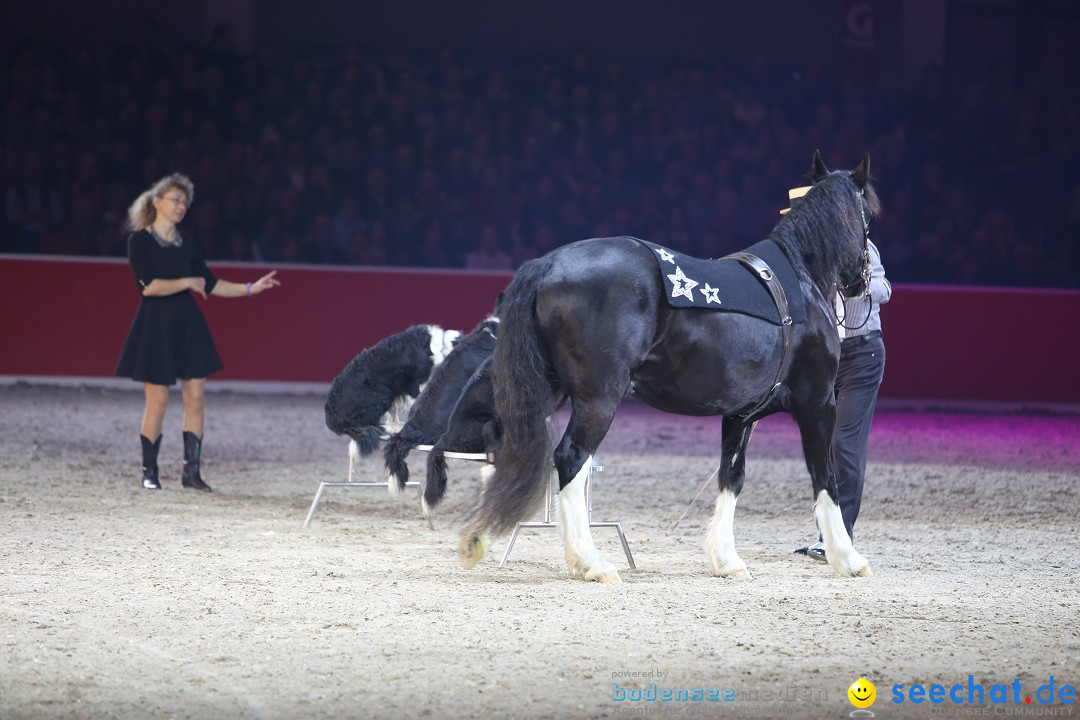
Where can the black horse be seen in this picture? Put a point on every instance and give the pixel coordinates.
(386, 375)
(471, 428)
(589, 322)
(429, 415)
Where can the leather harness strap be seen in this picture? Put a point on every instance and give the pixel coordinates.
(764, 273)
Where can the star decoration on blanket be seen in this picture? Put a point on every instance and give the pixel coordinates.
(710, 294)
(665, 255)
(682, 285)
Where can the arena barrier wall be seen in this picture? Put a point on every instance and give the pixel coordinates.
(69, 317)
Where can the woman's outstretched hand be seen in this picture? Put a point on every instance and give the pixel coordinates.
(266, 282)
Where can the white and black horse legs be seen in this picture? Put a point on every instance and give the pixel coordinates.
(573, 463)
(816, 429)
(720, 538)
(582, 559)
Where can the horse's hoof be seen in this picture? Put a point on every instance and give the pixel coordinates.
(733, 568)
(609, 576)
(863, 571)
(733, 573)
(600, 571)
(854, 565)
(471, 550)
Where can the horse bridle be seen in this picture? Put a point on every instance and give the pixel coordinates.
(867, 271)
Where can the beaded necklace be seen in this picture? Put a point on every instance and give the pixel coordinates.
(165, 243)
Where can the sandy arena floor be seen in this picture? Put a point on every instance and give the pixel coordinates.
(117, 602)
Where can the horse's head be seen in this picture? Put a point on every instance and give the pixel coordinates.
(358, 398)
(392, 369)
(855, 280)
(832, 226)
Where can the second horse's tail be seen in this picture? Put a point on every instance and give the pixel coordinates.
(524, 396)
(435, 487)
(395, 452)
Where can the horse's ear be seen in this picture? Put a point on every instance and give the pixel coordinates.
(818, 171)
(861, 175)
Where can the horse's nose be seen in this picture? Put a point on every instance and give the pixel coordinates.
(334, 421)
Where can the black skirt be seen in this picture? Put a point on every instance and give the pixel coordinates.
(169, 339)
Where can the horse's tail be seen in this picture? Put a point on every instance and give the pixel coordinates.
(395, 452)
(435, 488)
(523, 390)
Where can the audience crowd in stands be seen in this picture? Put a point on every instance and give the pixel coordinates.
(443, 159)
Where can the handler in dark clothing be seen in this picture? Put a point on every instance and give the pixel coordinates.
(169, 337)
(862, 366)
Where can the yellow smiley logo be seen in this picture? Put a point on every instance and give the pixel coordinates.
(862, 693)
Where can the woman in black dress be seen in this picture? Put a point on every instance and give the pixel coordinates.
(169, 337)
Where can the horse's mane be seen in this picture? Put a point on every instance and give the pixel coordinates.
(824, 230)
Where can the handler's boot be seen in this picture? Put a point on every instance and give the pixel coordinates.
(149, 463)
(192, 451)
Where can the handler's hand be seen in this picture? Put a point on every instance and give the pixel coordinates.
(266, 282)
(198, 284)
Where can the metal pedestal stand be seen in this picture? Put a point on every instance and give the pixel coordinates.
(549, 501)
(549, 522)
(349, 483)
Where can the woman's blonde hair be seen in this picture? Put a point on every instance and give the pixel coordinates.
(141, 214)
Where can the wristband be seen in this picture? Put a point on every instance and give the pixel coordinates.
(247, 289)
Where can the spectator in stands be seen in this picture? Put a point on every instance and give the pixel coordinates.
(297, 131)
(32, 205)
(489, 255)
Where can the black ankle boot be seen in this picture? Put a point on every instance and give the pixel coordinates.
(149, 463)
(192, 451)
